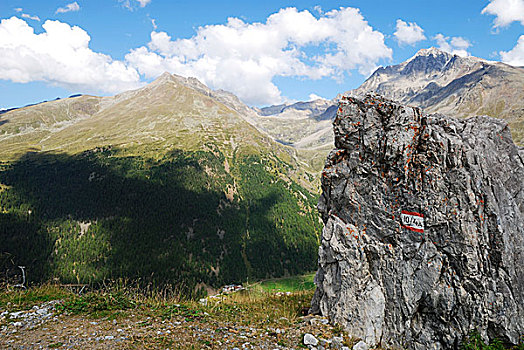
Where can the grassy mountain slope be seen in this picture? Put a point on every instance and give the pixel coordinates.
(163, 184)
(28, 128)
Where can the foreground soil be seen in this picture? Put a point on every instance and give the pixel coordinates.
(242, 321)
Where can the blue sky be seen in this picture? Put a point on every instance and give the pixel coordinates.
(266, 52)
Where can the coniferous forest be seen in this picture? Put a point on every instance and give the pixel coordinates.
(184, 218)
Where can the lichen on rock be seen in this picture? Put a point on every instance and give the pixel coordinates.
(424, 227)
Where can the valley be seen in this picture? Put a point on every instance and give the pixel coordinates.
(176, 182)
(173, 190)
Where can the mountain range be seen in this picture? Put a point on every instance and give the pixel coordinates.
(178, 183)
(432, 79)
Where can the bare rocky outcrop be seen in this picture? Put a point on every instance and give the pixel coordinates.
(424, 227)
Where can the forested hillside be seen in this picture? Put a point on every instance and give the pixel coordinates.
(161, 185)
(102, 214)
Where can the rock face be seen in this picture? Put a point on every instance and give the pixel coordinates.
(424, 227)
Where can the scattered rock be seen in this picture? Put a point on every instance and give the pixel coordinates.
(337, 342)
(140, 330)
(360, 346)
(309, 339)
(324, 342)
(31, 318)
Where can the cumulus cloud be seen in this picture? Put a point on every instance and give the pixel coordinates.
(314, 97)
(506, 12)
(455, 45)
(515, 56)
(408, 33)
(245, 57)
(60, 56)
(68, 8)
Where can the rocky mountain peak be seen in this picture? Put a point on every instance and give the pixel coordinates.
(167, 78)
(457, 86)
(427, 61)
(432, 51)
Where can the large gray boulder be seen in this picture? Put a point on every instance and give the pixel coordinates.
(424, 228)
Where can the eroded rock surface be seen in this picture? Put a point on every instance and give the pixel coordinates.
(387, 279)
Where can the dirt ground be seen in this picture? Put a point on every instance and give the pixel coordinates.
(132, 330)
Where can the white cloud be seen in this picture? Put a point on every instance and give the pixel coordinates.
(68, 8)
(408, 33)
(143, 3)
(34, 18)
(244, 58)
(457, 45)
(460, 43)
(515, 56)
(506, 12)
(131, 4)
(60, 56)
(314, 97)
(25, 15)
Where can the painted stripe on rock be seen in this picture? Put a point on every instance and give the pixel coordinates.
(412, 221)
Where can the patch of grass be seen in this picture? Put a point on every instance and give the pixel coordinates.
(97, 304)
(286, 284)
(190, 311)
(251, 306)
(475, 342)
(262, 308)
(16, 300)
(248, 307)
(106, 302)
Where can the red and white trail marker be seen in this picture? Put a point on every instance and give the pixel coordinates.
(412, 221)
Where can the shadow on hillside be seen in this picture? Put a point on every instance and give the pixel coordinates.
(5, 121)
(87, 218)
(22, 232)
